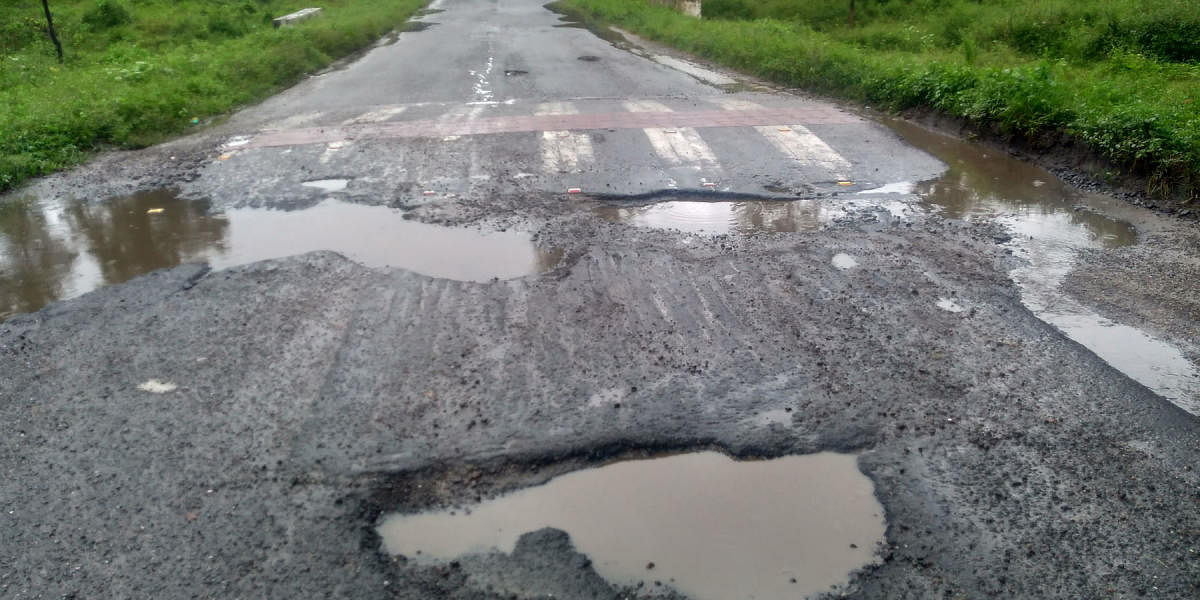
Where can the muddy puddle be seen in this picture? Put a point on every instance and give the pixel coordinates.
(709, 526)
(716, 218)
(1051, 223)
(53, 251)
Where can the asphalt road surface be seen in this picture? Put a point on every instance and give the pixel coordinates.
(238, 432)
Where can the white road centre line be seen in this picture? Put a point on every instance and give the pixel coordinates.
(680, 146)
(563, 151)
(795, 141)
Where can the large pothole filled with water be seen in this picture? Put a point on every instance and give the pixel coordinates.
(718, 217)
(708, 526)
(56, 250)
(1051, 224)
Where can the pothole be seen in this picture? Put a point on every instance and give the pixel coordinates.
(724, 217)
(1052, 223)
(515, 73)
(52, 251)
(589, 58)
(707, 525)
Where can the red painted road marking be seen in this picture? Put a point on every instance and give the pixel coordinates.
(526, 123)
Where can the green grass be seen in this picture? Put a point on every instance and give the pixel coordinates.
(1121, 76)
(139, 71)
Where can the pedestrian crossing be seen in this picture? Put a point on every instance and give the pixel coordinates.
(794, 140)
(657, 143)
(686, 158)
(564, 151)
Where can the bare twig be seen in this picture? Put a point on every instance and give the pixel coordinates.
(50, 28)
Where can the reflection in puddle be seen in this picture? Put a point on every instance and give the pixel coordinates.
(1052, 248)
(844, 261)
(328, 185)
(54, 251)
(983, 184)
(713, 527)
(1049, 232)
(899, 187)
(717, 218)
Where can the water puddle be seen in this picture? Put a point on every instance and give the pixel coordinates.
(721, 217)
(328, 185)
(1051, 222)
(844, 261)
(709, 526)
(51, 251)
(899, 187)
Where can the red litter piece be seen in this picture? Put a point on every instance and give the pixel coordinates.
(573, 190)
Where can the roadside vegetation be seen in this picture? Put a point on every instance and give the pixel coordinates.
(1121, 76)
(137, 71)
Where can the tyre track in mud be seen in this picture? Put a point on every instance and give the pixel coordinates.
(1004, 454)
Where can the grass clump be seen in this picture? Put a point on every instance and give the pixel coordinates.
(137, 71)
(107, 14)
(1121, 76)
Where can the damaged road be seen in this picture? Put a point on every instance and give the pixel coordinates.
(242, 431)
(315, 394)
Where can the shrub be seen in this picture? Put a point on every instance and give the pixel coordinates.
(107, 14)
(726, 9)
(21, 32)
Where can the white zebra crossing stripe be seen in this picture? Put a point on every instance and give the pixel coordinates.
(376, 116)
(563, 151)
(468, 112)
(330, 149)
(794, 141)
(806, 148)
(292, 122)
(681, 146)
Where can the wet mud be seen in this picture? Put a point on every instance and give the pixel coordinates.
(415, 26)
(571, 18)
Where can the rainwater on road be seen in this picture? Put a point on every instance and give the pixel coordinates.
(1051, 223)
(723, 217)
(54, 251)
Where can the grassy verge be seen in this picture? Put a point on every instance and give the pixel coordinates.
(1123, 77)
(137, 71)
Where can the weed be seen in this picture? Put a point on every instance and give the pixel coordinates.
(138, 71)
(107, 14)
(1121, 76)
